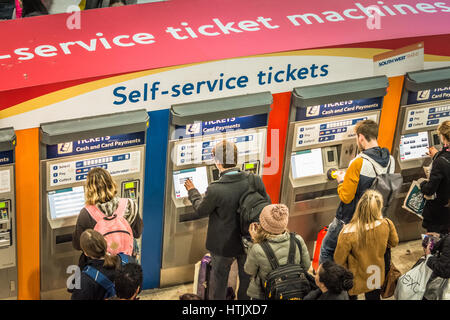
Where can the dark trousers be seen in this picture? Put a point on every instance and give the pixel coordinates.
(7, 9)
(220, 269)
(371, 295)
(330, 240)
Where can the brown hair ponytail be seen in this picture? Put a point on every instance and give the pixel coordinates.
(94, 245)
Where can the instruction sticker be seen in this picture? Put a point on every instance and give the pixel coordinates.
(75, 171)
(5, 181)
(328, 131)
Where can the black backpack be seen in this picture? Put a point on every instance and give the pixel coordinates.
(289, 281)
(251, 204)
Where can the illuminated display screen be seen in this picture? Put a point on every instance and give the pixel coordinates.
(65, 203)
(307, 163)
(249, 166)
(129, 185)
(196, 175)
(414, 146)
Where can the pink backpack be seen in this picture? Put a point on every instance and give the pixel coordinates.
(115, 229)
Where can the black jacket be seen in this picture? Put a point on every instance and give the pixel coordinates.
(318, 295)
(89, 289)
(220, 203)
(440, 261)
(437, 212)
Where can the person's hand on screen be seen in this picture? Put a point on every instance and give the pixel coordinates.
(189, 185)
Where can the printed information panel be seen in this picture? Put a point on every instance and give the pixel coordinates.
(75, 171)
(199, 151)
(199, 129)
(6, 157)
(428, 95)
(95, 145)
(328, 131)
(424, 117)
(338, 108)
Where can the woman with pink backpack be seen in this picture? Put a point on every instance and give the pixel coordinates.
(117, 219)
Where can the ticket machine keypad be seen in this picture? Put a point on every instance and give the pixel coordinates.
(4, 211)
(5, 225)
(4, 215)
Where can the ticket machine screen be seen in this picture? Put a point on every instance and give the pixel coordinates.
(307, 163)
(66, 203)
(413, 146)
(198, 177)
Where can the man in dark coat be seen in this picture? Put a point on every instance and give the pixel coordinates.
(220, 203)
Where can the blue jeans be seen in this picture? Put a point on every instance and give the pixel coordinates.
(329, 242)
(220, 269)
(7, 9)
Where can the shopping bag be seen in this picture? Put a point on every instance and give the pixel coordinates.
(317, 246)
(414, 200)
(412, 285)
(390, 282)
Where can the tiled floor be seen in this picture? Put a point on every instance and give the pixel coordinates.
(403, 256)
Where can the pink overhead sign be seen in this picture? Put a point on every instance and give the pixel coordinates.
(57, 48)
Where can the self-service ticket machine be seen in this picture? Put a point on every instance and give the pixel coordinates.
(194, 130)
(321, 137)
(8, 239)
(69, 149)
(425, 104)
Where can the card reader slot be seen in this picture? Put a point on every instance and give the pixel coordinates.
(63, 238)
(5, 239)
(187, 217)
(315, 195)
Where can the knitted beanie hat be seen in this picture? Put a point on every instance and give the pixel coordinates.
(274, 218)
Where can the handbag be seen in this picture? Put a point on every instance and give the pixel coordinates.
(390, 282)
(437, 289)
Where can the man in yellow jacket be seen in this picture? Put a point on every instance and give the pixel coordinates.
(362, 170)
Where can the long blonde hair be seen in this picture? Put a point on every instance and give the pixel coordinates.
(368, 211)
(100, 186)
(94, 245)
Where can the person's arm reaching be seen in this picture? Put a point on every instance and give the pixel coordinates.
(203, 206)
(347, 189)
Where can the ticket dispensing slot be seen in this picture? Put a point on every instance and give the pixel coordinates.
(69, 150)
(8, 240)
(321, 139)
(424, 106)
(194, 131)
(435, 140)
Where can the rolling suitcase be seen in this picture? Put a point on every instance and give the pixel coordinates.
(320, 236)
(202, 277)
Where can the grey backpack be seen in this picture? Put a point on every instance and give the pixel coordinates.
(386, 183)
